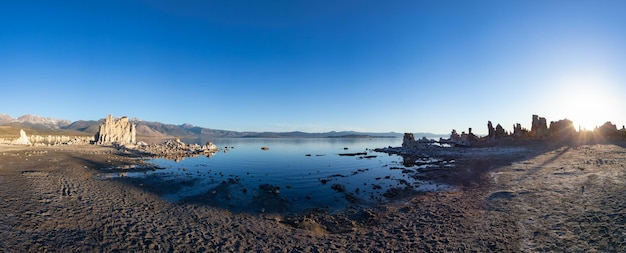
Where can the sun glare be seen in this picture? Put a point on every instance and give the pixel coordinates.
(588, 106)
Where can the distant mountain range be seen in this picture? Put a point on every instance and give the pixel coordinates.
(147, 129)
(34, 120)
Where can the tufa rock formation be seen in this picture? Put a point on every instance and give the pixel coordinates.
(495, 133)
(500, 132)
(22, 140)
(409, 142)
(559, 131)
(518, 131)
(562, 129)
(608, 129)
(38, 140)
(176, 149)
(50, 140)
(464, 140)
(113, 131)
(492, 132)
(539, 127)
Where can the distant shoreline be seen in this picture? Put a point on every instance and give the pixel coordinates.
(361, 136)
(315, 137)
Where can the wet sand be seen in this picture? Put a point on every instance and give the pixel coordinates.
(530, 198)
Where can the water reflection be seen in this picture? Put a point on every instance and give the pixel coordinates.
(294, 175)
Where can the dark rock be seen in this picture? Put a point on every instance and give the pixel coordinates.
(562, 129)
(338, 188)
(353, 154)
(539, 128)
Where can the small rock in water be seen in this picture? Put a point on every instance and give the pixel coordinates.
(338, 187)
(265, 148)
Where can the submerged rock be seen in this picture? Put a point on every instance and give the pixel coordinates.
(338, 187)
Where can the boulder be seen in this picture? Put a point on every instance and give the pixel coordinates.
(116, 131)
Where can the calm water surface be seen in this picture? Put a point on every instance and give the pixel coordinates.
(294, 175)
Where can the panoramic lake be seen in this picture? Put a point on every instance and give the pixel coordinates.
(292, 175)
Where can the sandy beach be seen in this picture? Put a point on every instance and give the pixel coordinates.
(517, 199)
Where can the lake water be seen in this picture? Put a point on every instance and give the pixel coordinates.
(294, 175)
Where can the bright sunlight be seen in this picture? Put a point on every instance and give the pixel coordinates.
(588, 104)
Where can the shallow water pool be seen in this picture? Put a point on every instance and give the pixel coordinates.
(293, 175)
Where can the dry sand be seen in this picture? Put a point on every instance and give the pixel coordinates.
(531, 198)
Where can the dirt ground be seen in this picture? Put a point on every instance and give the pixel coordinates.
(514, 199)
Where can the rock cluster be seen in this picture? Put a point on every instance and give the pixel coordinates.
(464, 139)
(112, 131)
(562, 130)
(175, 149)
(497, 133)
(409, 142)
(60, 140)
(38, 140)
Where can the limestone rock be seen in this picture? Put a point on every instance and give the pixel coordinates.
(517, 130)
(496, 134)
(539, 127)
(175, 149)
(563, 128)
(608, 129)
(120, 131)
(22, 140)
(410, 143)
(492, 131)
(408, 140)
(500, 132)
(465, 139)
(60, 140)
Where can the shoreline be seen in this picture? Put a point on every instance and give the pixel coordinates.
(53, 203)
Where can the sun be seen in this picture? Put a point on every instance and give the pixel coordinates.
(588, 106)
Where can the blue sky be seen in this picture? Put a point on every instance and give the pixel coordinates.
(404, 66)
